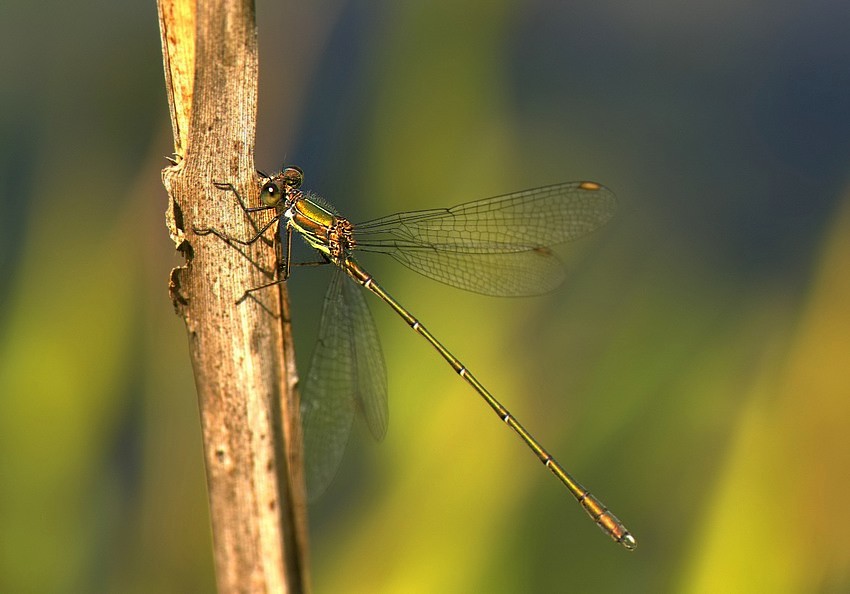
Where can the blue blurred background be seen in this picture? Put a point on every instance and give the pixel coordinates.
(693, 371)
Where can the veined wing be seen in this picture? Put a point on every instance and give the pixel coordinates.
(347, 371)
(496, 246)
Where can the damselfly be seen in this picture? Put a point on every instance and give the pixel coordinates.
(497, 246)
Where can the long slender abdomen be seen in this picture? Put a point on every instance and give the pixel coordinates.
(606, 520)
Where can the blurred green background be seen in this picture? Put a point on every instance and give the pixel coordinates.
(694, 371)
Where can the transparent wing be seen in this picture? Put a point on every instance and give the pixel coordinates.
(510, 274)
(369, 367)
(496, 246)
(347, 370)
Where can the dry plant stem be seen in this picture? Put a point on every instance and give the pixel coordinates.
(242, 355)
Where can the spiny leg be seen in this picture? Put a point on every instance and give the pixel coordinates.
(250, 292)
(282, 249)
(235, 242)
(248, 210)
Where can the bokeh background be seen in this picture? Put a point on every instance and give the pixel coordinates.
(694, 371)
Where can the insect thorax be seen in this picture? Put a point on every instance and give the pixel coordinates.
(340, 238)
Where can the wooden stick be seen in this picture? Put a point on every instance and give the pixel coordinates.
(241, 354)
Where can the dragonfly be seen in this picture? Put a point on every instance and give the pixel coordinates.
(496, 246)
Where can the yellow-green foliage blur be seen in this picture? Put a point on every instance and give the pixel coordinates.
(693, 371)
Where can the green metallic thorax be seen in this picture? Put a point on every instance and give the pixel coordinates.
(323, 229)
(313, 222)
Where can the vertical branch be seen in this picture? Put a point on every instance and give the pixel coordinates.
(241, 354)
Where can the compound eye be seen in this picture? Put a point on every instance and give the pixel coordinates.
(270, 194)
(292, 177)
